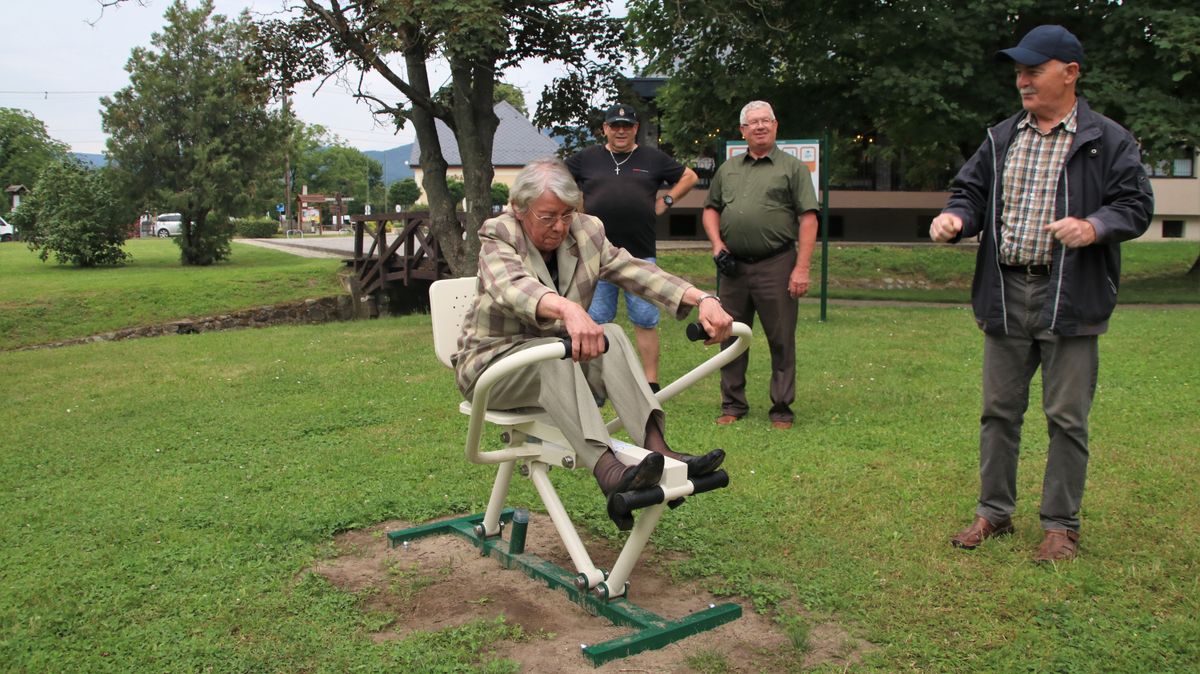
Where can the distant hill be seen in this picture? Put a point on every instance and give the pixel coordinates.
(395, 162)
(93, 160)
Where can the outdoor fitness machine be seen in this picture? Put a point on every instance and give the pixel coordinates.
(533, 445)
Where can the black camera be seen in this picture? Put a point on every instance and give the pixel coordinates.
(726, 264)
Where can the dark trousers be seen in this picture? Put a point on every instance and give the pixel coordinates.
(761, 287)
(1069, 369)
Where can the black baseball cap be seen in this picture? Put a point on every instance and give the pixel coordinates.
(1042, 44)
(621, 114)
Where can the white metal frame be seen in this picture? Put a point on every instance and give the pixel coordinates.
(533, 442)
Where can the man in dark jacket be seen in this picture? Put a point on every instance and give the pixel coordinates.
(1051, 194)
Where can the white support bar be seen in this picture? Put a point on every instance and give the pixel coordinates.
(743, 334)
(483, 388)
(491, 517)
(642, 528)
(562, 522)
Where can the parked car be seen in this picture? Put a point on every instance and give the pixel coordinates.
(168, 224)
(6, 231)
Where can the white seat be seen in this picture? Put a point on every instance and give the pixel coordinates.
(534, 441)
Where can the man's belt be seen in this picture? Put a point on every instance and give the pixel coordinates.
(751, 259)
(1028, 269)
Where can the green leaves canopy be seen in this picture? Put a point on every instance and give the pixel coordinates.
(25, 149)
(916, 79)
(192, 131)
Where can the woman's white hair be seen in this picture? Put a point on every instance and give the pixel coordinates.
(544, 175)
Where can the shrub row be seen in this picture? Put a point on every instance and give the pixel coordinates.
(255, 228)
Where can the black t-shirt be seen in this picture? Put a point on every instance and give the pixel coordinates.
(624, 201)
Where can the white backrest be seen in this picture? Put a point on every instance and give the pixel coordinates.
(449, 300)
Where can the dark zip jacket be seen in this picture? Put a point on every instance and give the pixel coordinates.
(1103, 181)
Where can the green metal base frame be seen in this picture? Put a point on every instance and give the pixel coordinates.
(654, 631)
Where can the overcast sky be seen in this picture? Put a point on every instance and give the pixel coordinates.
(58, 57)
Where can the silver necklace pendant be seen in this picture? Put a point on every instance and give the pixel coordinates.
(617, 164)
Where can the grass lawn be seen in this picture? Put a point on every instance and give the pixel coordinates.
(1151, 272)
(162, 498)
(45, 301)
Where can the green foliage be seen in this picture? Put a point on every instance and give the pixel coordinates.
(499, 194)
(25, 149)
(73, 213)
(256, 228)
(335, 168)
(457, 190)
(920, 81)
(503, 92)
(404, 193)
(193, 132)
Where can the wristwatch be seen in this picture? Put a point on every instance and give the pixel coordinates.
(668, 200)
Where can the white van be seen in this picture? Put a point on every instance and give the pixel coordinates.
(6, 231)
(168, 224)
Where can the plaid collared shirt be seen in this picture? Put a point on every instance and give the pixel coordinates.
(1031, 171)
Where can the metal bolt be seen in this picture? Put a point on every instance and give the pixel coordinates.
(524, 470)
(504, 436)
(568, 462)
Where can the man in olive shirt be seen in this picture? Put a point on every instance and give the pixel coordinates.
(760, 205)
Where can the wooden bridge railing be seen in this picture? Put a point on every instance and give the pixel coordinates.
(413, 253)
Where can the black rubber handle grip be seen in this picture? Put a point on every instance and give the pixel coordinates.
(714, 480)
(567, 346)
(696, 332)
(628, 501)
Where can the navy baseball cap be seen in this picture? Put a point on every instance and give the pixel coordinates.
(1042, 44)
(620, 114)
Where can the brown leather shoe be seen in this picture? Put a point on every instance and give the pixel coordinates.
(1059, 545)
(726, 419)
(980, 530)
(781, 425)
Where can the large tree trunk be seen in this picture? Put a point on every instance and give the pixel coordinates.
(475, 121)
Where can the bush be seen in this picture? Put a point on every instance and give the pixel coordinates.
(73, 213)
(255, 228)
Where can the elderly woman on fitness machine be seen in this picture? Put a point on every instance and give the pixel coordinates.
(539, 262)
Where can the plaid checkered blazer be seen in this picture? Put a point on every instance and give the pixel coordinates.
(513, 277)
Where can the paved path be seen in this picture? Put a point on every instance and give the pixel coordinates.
(331, 245)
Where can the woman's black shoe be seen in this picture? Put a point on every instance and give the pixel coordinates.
(703, 465)
(642, 476)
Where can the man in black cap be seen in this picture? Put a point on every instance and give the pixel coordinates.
(620, 182)
(1051, 194)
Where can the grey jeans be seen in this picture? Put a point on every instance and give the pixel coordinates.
(1069, 369)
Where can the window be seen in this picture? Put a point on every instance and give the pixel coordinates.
(837, 227)
(681, 226)
(1172, 229)
(1180, 165)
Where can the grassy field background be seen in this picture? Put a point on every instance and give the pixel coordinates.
(44, 301)
(162, 498)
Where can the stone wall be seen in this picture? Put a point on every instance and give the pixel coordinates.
(320, 310)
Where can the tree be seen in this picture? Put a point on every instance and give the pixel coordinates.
(74, 214)
(499, 195)
(504, 92)
(477, 40)
(25, 149)
(338, 169)
(910, 79)
(192, 132)
(404, 193)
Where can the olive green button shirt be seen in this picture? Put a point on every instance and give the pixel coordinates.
(760, 201)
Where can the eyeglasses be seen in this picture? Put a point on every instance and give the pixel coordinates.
(551, 220)
(755, 123)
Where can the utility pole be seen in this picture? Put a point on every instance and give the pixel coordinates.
(287, 165)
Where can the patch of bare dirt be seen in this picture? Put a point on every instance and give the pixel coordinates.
(442, 581)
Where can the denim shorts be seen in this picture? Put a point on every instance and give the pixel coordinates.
(642, 313)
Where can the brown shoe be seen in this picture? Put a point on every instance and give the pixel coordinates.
(781, 425)
(1059, 545)
(980, 530)
(726, 419)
